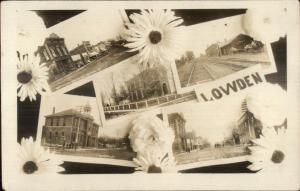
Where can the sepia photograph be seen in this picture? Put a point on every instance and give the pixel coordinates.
(211, 131)
(73, 52)
(216, 49)
(129, 87)
(70, 125)
(150, 95)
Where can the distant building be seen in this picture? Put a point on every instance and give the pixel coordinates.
(101, 46)
(70, 127)
(177, 123)
(152, 82)
(86, 51)
(84, 47)
(56, 56)
(241, 43)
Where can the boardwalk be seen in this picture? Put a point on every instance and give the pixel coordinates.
(206, 69)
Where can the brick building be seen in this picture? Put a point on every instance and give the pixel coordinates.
(70, 127)
(56, 56)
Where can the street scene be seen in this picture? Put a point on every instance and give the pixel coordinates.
(201, 136)
(74, 54)
(67, 66)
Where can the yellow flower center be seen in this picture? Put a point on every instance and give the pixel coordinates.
(277, 156)
(24, 77)
(154, 169)
(30, 167)
(155, 37)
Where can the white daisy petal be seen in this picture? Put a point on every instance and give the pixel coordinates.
(34, 159)
(39, 76)
(154, 29)
(270, 154)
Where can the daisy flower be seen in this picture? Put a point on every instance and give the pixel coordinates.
(268, 104)
(266, 25)
(153, 162)
(32, 77)
(33, 159)
(157, 36)
(150, 133)
(270, 154)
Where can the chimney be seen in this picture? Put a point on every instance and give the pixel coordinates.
(53, 110)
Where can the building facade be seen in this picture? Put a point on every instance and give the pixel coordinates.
(248, 128)
(152, 82)
(56, 56)
(70, 127)
(177, 123)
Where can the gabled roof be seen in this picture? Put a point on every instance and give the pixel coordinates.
(71, 112)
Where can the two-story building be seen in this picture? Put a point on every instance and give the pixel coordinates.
(56, 56)
(70, 127)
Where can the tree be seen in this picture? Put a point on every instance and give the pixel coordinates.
(190, 55)
(123, 93)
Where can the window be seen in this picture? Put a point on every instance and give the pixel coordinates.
(48, 122)
(56, 122)
(62, 134)
(64, 50)
(53, 52)
(46, 54)
(59, 51)
(64, 122)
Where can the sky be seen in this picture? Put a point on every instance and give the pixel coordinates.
(200, 36)
(63, 102)
(214, 120)
(91, 25)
